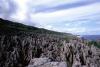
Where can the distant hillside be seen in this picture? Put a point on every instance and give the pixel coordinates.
(9, 26)
(91, 37)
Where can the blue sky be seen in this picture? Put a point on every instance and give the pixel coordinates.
(71, 16)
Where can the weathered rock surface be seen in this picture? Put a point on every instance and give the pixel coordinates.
(45, 62)
(78, 54)
(15, 51)
(18, 50)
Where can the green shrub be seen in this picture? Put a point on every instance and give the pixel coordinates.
(95, 43)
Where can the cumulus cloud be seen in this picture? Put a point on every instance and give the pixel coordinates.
(72, 16)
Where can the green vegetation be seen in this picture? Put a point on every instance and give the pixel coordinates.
(95, 43)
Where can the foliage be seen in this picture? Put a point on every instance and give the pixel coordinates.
(95, 43)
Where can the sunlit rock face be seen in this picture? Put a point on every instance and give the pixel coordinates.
(45, 62)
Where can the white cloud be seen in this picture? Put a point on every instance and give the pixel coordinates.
(71, 18)
(70, 14)
(21, 10)
(51, 2)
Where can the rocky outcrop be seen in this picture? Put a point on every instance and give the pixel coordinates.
(45, 50)
(78, 54)
(73, 54)
(45, 62)
(17, 49)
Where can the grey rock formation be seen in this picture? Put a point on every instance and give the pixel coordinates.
(81, 55)
(15, 51)
(18, 50)
(45, 62)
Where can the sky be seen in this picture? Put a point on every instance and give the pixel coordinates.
(80, 17)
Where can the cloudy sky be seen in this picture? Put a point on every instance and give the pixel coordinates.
(71, 16)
